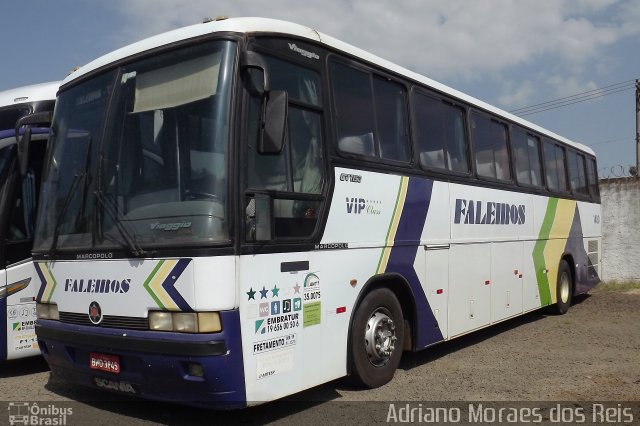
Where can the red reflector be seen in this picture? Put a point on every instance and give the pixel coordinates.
(487, 282)
(341, 310)
(439, 291)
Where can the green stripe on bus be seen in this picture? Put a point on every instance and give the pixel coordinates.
(148, 288)
(538, 252)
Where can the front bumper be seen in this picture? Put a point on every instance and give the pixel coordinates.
(153, 365)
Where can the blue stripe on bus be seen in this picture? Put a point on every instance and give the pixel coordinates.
(43, 281)
(403, 255)
(170, 282)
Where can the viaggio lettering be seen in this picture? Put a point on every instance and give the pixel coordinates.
(310, 55)
(102, 286)
(470, 212)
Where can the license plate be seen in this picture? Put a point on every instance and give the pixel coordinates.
(102, 362)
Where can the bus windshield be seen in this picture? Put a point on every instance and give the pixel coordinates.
(139, 156)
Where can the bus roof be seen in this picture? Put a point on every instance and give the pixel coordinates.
(265, 25)
(32, 93)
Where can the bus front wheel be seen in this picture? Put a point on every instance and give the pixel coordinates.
(376, 338)
(564, 289)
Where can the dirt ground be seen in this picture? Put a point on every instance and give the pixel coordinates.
(590, 354)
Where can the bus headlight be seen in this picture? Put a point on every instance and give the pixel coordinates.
(47, 311)
(185, 322)
(209, 322)
(161, 321)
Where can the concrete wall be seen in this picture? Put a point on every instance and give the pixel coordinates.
(620, 229)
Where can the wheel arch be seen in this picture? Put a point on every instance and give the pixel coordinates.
(402, 290)
(568, 257)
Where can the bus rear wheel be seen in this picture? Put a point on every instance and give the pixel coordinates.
(376, 338)
(564, 289)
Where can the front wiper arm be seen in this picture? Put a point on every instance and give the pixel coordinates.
(129, 240)
(67, 201)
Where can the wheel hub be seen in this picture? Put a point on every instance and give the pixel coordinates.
(380, 338)
(564, 288)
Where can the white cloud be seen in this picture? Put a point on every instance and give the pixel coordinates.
(518, 97)
(567, 86)
(444, 39)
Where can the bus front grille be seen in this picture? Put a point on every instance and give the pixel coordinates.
(108, 321)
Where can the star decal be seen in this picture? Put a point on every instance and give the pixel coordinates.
(263, 293)
(275, 291)
(296, 288)
(251, 294)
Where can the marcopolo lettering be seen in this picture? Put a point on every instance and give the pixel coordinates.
(102, 286)
(472, 212)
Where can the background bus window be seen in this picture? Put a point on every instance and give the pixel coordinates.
(526, 152)
(490, 148)
(371, 114)
(440, 134)
(578, 179)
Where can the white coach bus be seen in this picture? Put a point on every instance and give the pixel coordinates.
(18, 195)
(242, 209)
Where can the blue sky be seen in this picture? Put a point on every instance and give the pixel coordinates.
(510, 53)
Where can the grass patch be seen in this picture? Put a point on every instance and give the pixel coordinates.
(616, 286)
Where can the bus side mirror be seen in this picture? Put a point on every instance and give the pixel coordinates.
(275, 123)
(24, 141)
(275, 103)
(249, 59)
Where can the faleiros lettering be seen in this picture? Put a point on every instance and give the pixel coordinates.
(488, 213)
(97, 285)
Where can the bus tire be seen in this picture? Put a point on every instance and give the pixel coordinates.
(564, 289)
(376, 338)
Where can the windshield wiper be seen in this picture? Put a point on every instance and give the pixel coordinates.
(63, 212)
(109, 207)
(67, 201)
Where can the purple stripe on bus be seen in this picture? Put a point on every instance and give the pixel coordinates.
(403, 255)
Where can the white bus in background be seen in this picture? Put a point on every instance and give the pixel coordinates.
(18, 200)
(242, 209)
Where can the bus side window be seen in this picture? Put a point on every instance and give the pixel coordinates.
(490, 148)
(578, 179)
(371, 114)
(526, 152)
(440, 134)
(391, 118)
(592, 179)
(554, 161)
(354, 110)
